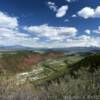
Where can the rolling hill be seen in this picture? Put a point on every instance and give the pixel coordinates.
(91, 63)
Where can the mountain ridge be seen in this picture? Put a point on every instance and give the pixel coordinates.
(64, 49)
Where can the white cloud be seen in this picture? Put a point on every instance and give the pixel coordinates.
(70, 1)
(57, 38)
(66, 20)
(74, 15)
(52, 6)
(62, 11)
(9, 31)
(50, 31)
(7, 21)
(80, 41)
(83, 41)
(88, 12)
(9, 27)
(87, 31)
(97, 12)
(97, 31)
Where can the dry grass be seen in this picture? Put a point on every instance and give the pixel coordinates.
(85, 87)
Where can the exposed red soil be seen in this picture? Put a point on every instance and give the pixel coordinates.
(25, 62)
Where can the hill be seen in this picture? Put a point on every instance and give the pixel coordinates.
(91, 63)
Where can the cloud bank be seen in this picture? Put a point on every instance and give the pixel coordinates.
(43, 35)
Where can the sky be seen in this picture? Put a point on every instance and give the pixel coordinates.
(50, 23)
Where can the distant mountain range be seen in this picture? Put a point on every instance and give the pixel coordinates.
(14, 48)
(69, 49)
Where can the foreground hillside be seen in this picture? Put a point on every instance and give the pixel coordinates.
(51, 78)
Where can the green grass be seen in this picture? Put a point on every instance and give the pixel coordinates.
(52, 69)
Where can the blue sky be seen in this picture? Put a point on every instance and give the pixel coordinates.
(50, 23)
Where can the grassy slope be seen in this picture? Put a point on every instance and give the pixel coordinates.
(91, 63)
